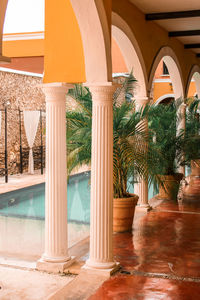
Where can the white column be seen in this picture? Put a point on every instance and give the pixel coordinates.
(56, 240)
(101, 219)
(141, 188)
(181, 126)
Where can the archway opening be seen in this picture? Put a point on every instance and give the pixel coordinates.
(127, 56)
(166, 76)
(193, 88)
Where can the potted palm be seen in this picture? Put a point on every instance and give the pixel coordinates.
(130, 155)
(164, 138)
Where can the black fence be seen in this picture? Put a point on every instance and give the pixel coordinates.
(38, 151)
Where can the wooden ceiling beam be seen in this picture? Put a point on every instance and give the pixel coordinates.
(172, 15)
(191, 46)
(184, 33)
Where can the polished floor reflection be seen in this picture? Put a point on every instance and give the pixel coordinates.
(161, 259)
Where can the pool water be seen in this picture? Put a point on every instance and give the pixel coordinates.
(22, 214)
(30, 202)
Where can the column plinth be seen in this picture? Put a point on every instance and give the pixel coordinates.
(101, 220)
(55, 257)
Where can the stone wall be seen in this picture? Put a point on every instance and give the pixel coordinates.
(19, 91)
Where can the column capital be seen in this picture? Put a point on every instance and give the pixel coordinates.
(55, 90)
(102, 91)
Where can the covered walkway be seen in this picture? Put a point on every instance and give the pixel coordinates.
(160, 260)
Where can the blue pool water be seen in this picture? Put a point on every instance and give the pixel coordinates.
(22, 217)
(29, 202)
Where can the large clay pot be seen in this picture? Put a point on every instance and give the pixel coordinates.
(123, 212)
(192, 190)
(171, 186)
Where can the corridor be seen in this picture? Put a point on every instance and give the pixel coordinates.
(161, 259)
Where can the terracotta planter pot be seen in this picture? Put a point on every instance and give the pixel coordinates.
(192, 191)
(123, 212)
(171, 186)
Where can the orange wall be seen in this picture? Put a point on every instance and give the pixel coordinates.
(28, 64)
(159, 70)
(162, 88)
(118, 63)
(192, 90)
(64, 57)
(23, 48)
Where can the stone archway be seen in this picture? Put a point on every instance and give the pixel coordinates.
(95, 38)
(195, 74)
(165, 99)
(172, 63)
(130, 50)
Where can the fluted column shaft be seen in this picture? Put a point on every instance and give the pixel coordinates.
(101, 220)
(56, 244)
(141, 188)
(181, 126)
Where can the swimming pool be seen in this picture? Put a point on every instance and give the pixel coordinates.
(30, 202)
(22, 214)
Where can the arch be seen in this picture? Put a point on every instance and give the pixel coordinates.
(159, 100)
(95, 38)
(172, 63)
(194, 73)
(131, 53)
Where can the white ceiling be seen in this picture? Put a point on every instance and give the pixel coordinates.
(182, 24)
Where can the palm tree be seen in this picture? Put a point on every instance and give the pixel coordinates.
(130, 152)
(164, 138)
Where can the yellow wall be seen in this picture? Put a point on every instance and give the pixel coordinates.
(64, 58)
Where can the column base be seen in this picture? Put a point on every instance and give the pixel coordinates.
(54, 267)
(107, 268)
(143, 208)
(140, 212)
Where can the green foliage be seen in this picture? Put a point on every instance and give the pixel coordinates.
(164, 137)
(191, 144)
(177, 148)
(127, 88)
(79, 124)
(130, 152)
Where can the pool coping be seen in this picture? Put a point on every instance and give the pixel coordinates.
(20, 181)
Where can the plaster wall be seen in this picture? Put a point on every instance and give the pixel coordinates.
(34, 64)
(64, 58)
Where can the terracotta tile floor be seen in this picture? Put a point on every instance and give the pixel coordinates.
(160, 260)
